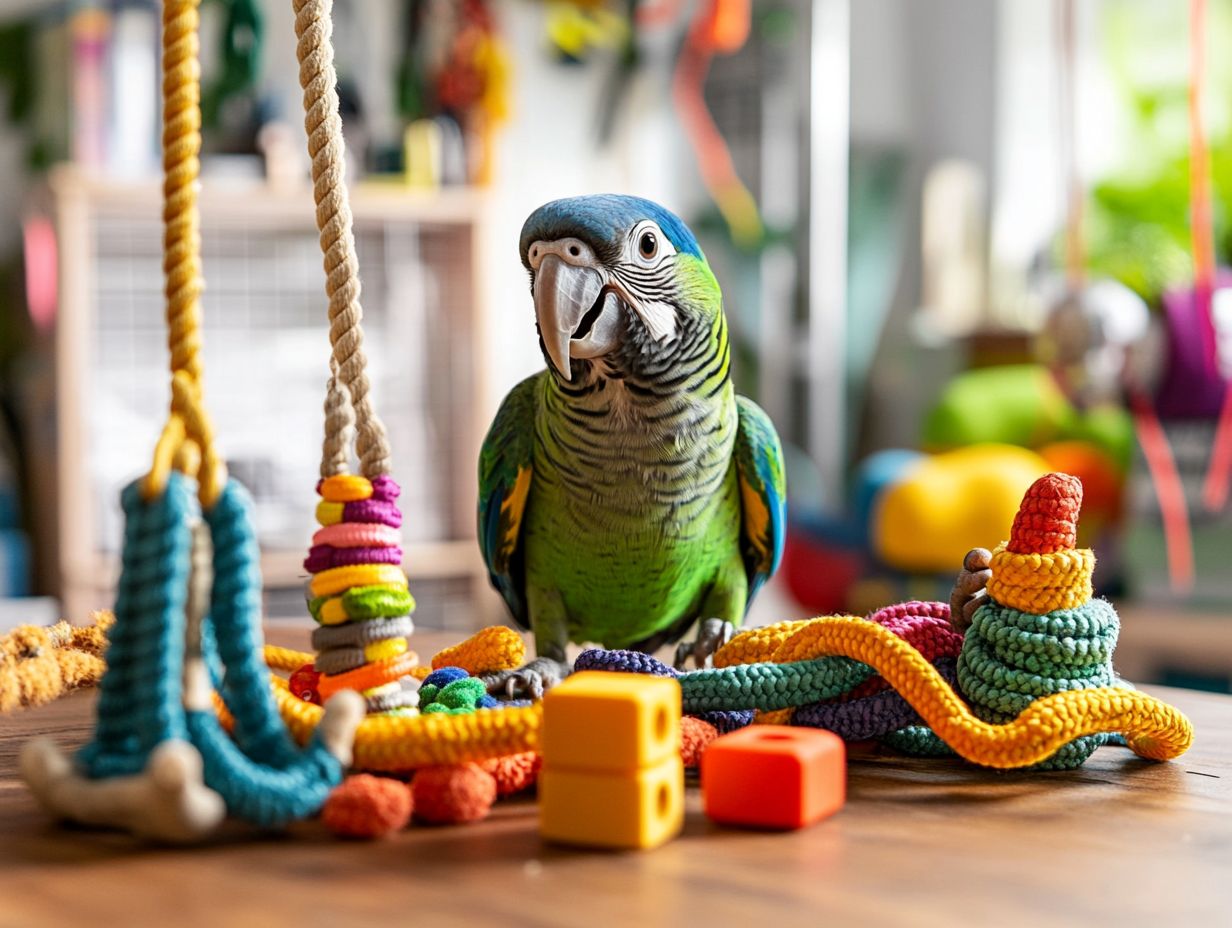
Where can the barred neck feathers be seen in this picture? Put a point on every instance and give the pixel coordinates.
(659, 416)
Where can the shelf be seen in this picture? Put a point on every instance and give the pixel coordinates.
(423, 561)
(383, 200)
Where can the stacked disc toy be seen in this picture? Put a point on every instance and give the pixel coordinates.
(358, 594)
(1041, 631)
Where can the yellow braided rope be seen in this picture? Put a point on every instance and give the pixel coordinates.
(181, 143)
(755, 645)
(1151, 727)
(400, 743)
(287, 660)
(1042, 583)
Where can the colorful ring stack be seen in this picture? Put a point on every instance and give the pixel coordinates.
(358, 594)
(1041, 631)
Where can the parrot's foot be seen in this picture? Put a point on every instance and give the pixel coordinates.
(531, 681)
(969, 591)
(712, 634)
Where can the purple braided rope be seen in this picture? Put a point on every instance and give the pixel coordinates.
(870, 717)
(728, 720)
(623, 662)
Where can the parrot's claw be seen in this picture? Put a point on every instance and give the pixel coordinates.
(529, 682)
(969, 591)
(712, 634)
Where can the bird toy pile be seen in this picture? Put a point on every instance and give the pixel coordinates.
(1030, 684)
(191, 726)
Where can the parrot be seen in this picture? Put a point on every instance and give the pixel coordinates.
(626, 493)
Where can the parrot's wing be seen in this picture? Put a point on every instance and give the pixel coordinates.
(505, 466)
(763, 493)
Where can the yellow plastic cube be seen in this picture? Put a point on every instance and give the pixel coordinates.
(611, 722)
(638, 809)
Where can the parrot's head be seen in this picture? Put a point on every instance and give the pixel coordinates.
(618, 278)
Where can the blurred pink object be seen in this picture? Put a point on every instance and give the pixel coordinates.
(39, 241)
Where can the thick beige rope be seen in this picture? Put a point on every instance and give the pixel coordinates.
(339, 427)
(313, 28)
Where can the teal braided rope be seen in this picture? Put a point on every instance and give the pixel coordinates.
(235, 609)
(139, 703)
(918, 740)
(1010, 658)
(770, 686)
(262, 776)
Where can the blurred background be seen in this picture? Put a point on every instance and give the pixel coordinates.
(961, 242)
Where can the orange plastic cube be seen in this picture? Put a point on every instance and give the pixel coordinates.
(774, 776)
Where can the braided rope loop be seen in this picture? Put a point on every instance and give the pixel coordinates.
(323, 124)
(188, 423)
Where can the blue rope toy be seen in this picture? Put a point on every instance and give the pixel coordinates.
(160, 762)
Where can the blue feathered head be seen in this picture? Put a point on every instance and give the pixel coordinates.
(613, 273)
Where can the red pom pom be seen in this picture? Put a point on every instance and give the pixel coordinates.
(454, 794)
(1047, 519)
(303, 683)
(513, 772)
(695, 736)
(364, 806)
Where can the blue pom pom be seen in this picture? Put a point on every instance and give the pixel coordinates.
(486, 702)
(444, 676)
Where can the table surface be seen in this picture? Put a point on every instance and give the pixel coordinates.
(920, 842)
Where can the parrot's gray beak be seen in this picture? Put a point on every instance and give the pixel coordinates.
(578, 316)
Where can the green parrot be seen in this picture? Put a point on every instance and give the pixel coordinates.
(626, 492)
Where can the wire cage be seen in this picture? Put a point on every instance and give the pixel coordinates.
(266, 363)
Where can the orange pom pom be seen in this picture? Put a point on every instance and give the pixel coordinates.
(695, 736)
(513, 772)
(364, 806)
(1047, 519)
(454, 794)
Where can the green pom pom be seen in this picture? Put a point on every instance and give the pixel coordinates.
(462, 694)
(428, 693)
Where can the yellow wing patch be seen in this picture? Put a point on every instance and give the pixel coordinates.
(511, 512)
(756, 520)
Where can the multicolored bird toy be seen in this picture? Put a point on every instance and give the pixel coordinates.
(626, 492)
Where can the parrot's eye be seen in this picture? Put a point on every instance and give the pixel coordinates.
(647, 246)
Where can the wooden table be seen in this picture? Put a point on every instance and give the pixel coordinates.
(920, 842)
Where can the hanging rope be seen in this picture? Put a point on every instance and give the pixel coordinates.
(1219, 470)
(339, 427)
(356, 556)
(314, 29)
(1071, 180)
(187, 440)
